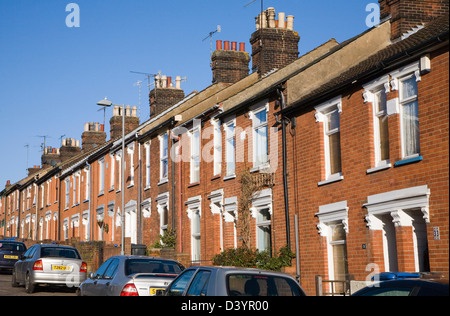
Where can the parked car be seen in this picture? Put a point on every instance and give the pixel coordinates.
(406, 287)
(49, 264)
(131, 276)
(230, 281)
(10, 251)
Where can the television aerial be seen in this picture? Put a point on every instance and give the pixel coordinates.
(210, 36)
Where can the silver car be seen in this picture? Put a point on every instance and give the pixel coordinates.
(49, 264)
(231, 281)
(131, 276)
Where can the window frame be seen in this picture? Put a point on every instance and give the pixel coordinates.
(323, 113)
(163, 159)
(231, 122)
(255, 127)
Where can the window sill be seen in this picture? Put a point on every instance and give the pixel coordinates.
(193, 184)
(331, 179)
(379, 168)
(231, 176)
(261, 168)
(162, 181)
(408, 161)
(218, 176)
(147, 188)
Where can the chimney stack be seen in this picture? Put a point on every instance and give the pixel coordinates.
(50, 157)
(93, 136)
(408, 14)
(34, 170)
(275, 43)
(69, 149)
(131, 121)
(165, 95)
(229, 66)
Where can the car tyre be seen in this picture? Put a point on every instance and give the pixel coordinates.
(14, 282)
(29, 286)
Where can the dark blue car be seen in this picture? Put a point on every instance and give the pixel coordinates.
(10, 252)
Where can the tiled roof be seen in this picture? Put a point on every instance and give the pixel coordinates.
(434, 29)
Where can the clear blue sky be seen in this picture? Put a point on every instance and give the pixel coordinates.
(51, 76)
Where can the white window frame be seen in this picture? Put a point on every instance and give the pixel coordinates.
(397, 79)
(258, 108)
(217, 147)
(195, 173)
(323, 111)
(147, 165)
(230, 172)
(163, 159)
(112, 171)
(371, 90)
(330, 215)
(67, 193)
(130, 151)
(194, 213)
(101, 176)
(261, 201)
(162, 202)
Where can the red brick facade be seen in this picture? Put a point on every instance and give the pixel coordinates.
(356, 208)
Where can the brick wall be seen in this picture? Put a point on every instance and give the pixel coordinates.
(357, 157)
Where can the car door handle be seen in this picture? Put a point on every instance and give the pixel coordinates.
(107, 283)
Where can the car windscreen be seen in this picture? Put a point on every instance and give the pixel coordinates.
(261, 285)
(59, 252)
(9, 246)
(133, 266)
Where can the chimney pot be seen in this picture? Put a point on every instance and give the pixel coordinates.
(281, 20)
(290, 22)
(169, 82)
(226, 45)
(102, 127)
(164, 81)
(242, 47)
(234, 46)
(178, 78)
(218, 45)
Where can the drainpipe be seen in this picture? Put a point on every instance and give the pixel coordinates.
(283, 122)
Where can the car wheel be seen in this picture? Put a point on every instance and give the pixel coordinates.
(14, 282)
(29, 286)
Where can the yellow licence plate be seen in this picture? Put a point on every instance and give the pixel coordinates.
(153, 290)
(60, 268)
(10, 257)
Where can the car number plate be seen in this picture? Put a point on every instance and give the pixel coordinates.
(61, 268)
(154, 290)
(10, 257)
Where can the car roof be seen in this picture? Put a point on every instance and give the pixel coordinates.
(242, 269)
(11, 242)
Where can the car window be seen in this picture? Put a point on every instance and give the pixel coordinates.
(30, 253)
(57, 252)
(99, 273)
(133, 266)
(261, 285)
(5, 246)
(199, 285)
(112, 269)
(395, 291)
(180, 284)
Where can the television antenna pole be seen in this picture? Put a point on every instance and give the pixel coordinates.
(210, 36)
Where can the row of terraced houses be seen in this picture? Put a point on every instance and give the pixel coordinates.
(347, 146)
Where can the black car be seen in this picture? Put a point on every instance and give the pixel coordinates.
(10, 252)
(406, 287)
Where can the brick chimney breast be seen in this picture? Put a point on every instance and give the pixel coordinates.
(275, 43)
(408, 14)
(229, 66)
(165, 95)
(131, 121)
(93, 136)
